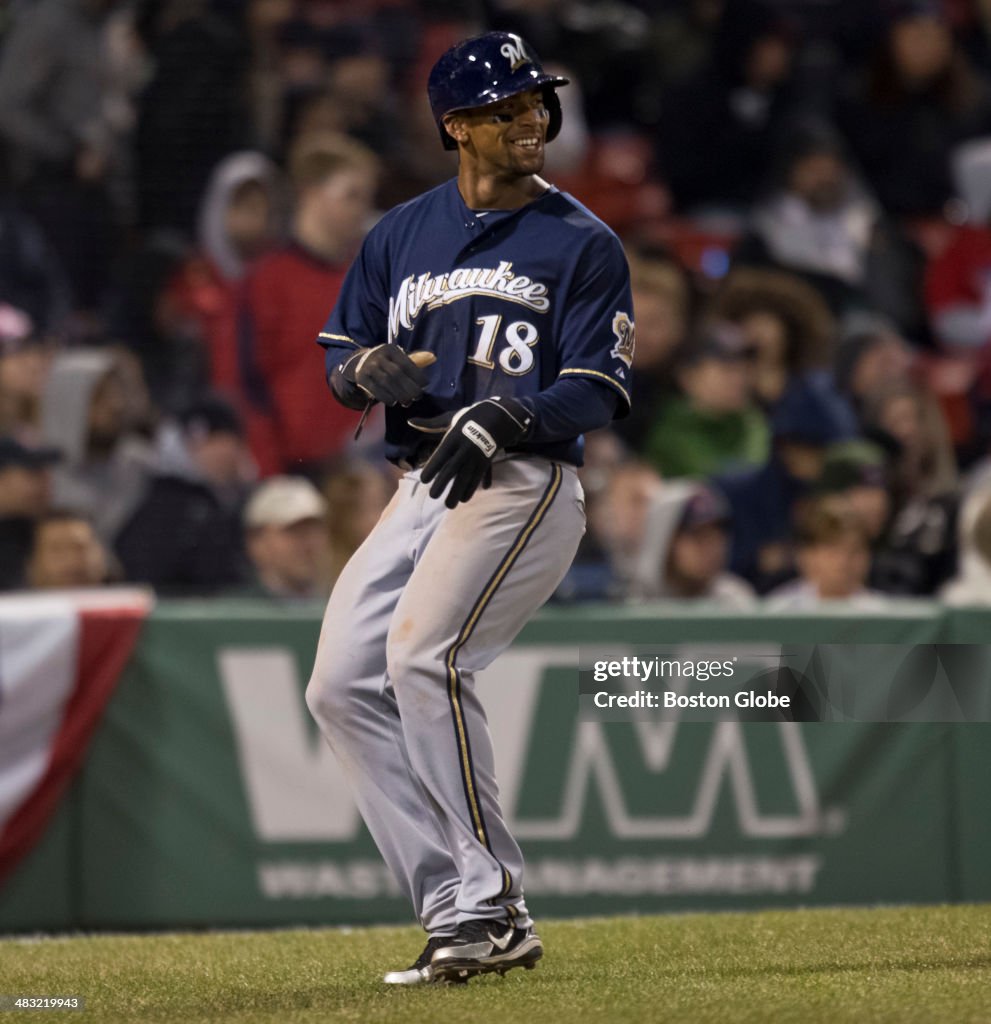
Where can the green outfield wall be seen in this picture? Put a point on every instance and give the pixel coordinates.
(208, 799)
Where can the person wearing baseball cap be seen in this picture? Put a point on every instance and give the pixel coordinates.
(287, 540)
(858, 471)
(25, 496)
(686, 548)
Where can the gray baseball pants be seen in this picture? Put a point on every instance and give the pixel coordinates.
(430, 598)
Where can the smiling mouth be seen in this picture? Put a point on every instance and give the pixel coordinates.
(529, 143)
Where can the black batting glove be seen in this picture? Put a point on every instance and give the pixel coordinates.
(385, 374)
(472, 436)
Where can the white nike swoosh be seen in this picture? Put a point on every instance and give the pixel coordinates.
(503, 942)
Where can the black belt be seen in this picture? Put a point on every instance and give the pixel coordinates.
(418, 457)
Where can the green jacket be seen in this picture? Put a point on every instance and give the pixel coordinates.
(685, 441)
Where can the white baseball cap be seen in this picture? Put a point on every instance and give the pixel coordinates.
(282, 501)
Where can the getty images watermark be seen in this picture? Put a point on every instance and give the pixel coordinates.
(665, 671)
(788, 682)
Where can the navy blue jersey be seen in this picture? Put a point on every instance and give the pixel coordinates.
(509, 303)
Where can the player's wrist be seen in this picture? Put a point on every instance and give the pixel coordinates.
(351, 366)
(343, 385)
(510, 419)
(526, 409)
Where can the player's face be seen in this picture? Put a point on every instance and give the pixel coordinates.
(508, 136)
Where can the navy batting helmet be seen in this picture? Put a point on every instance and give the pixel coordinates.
(484, 70)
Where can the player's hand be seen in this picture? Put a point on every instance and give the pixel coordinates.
(472, 436)
(386, 374)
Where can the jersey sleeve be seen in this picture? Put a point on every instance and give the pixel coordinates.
(360, 317)
(597, 335)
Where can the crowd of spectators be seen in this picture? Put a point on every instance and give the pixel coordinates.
(803, 189)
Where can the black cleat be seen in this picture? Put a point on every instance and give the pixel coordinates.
(484, 946)
(421, 972)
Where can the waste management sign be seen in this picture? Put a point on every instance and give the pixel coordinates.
(209, 797)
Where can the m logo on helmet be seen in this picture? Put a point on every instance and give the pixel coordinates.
(515, 52)
(622, 327)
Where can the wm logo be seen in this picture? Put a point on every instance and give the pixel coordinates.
(645, 779)
(649, 779)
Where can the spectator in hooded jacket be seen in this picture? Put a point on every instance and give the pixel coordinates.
(89, 411)
(238, 222)
(685, 548)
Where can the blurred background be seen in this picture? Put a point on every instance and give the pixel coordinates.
(803, 188)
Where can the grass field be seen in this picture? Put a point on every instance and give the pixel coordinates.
(900, 965)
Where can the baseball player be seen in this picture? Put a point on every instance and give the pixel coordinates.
(492, 317)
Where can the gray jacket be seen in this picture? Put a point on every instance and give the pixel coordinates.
(107, 489)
